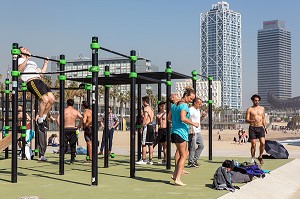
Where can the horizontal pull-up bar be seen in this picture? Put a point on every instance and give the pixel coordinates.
(114, 52)
(40, 57)
(57, 72)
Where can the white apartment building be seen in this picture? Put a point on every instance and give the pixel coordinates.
(202, 90)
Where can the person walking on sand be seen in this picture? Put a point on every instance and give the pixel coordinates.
(70, 128)
(255, 115)
(113, 122)
(180, 117)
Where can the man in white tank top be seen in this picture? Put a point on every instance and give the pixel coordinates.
(36, 86)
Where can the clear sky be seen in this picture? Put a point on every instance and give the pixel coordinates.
(161, 30)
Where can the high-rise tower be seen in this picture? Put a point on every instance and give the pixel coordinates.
(221, 51)
(274, 61)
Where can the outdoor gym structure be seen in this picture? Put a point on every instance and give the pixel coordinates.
(92, 83)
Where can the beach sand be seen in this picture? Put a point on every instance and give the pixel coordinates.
(224, 148)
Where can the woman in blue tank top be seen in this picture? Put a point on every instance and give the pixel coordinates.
(180, 117)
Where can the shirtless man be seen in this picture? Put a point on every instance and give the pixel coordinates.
(255, 115)
(147, 131)
(70, 128)
(161, 128)
(87, 124)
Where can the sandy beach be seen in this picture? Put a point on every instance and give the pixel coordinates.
(224, 148)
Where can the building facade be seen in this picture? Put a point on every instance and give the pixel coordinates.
(274, 61)
(202, 90)
(221, 51)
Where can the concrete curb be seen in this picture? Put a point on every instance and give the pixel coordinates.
(281, 183)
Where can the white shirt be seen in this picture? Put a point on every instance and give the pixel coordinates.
(195, 117)
(30, 67)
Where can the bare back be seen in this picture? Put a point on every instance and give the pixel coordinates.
(70, 116)
(87, 118)
(148, 115)
(255, 115)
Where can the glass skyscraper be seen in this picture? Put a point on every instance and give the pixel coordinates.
(274, 61)
(221, 51)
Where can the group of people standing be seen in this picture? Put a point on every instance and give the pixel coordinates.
(185, 133)
(32, 75)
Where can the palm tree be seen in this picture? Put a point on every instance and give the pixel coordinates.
(114, 94)
(126, 100)
(152, 98)
(1, 84)
(235, 113)
(121, 99)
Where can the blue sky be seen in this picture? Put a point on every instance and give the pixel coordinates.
(161, 30)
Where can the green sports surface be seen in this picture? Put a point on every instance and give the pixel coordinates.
(152, 181)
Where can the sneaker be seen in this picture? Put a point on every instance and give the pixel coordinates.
(150, 162)
(43, 159)
(164, 162)
(141, 161)
(192, 164)
(196, 164)
(252, 160)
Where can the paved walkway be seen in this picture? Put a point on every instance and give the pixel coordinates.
(281, 183)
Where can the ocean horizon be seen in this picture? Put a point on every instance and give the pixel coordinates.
(295, 142)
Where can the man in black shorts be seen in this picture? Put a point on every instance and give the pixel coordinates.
(87, 124)
(255, 115)
(70, 128)
(161, 129)
(36, 86)
(147, 131)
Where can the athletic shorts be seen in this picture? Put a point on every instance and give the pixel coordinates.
(256, 132)
(38, 88)
(162, 135)
(70, 135)
(176, 138)
(148, 135)
(87, 134)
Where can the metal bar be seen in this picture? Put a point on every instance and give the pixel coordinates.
(159, 145)
(132, 116)
(6, 113)
(95, 115)
(106, 127)
(138, 122)
(61, 121)
(40, 57)
(168, 108)
(24, 118)
(114, 52)
(56, 72)
(14, 164)
(210, 117)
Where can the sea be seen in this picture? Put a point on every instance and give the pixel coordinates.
(295, 142)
